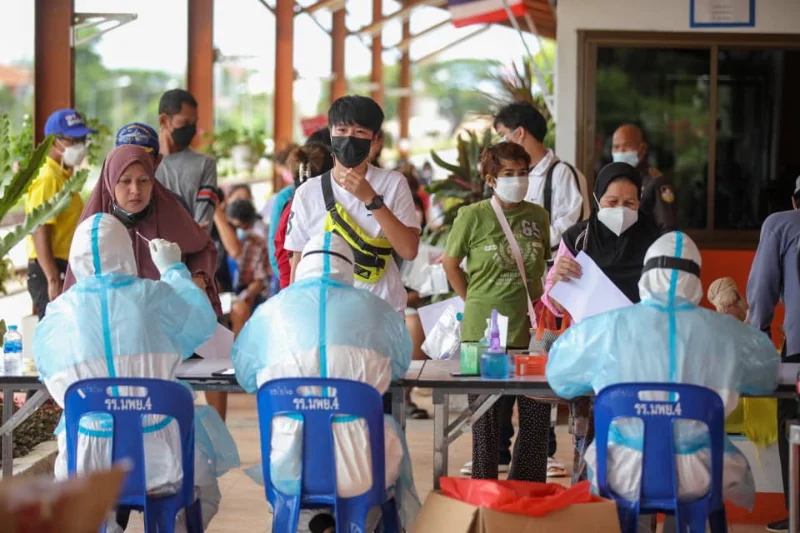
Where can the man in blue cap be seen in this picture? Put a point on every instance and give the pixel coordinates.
(48, 247)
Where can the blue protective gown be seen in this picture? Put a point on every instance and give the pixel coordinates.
(114, 324)
(667, 338)
(322, 326)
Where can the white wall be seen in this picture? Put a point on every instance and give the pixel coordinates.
(772, 16)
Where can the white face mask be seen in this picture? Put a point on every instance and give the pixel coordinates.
(632, 157)
(74, 155)
(512, 189)
(618, 219)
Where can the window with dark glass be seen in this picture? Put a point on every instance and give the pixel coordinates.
(668, 92)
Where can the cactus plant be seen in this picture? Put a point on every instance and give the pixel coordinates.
(13, 186)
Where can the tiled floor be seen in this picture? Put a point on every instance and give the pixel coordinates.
(244, 507)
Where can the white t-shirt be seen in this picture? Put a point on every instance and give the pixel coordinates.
(307, 219)
(570, 202)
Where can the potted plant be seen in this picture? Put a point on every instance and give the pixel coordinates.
(462, 187)
(249, 150)
(244, 148)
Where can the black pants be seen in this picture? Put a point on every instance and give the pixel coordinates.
(530, 450)
(507, 431)
(37, 284)
(787, 410)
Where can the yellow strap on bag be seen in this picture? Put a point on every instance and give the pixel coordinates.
(371, 254)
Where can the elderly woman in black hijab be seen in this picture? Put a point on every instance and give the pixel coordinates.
(616, 236)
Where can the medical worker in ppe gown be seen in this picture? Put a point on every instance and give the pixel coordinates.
(114, 324)
(667, 338)
(322, 326)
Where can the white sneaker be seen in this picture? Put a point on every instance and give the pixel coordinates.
(466, 470)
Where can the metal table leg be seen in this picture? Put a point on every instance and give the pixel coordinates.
(399, 405)
(440, 444)
(8, 438)
(794, 476)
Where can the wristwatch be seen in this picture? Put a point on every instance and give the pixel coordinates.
(376, 203)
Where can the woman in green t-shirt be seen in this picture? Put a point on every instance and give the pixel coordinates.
(493, 281)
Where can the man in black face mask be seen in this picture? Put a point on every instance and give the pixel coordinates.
(189, 174)
(370, 207)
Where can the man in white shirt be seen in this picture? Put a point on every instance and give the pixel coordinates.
(554, 184)
(375, 203)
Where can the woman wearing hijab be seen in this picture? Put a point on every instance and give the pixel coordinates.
(617, 238)
(127, 189)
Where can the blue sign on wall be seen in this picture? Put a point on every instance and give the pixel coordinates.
(722, 13)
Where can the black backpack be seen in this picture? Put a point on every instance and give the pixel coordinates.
(548, 187)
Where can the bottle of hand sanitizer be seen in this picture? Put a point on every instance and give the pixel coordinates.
(494, 362)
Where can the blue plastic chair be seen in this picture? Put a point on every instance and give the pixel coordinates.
(658, 492)
(318, 472)
(106, 396)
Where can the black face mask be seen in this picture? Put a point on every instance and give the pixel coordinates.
(129, 220)
(182, 137)
(350, 151)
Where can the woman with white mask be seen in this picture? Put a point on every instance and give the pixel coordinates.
(493, 280)
(616, 236)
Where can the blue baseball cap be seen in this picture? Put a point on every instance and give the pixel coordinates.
(139, 134)
(67, 122)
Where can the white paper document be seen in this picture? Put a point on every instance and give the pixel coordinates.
(219, 346)
(590, 295)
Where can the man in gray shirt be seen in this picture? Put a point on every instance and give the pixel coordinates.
(775, 276)
(189, 174)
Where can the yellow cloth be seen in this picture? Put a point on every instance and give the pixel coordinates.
(48, 183)
(757, 419)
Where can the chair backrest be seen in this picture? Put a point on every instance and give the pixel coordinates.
(127, 401)
(338, 398)
(685, 402)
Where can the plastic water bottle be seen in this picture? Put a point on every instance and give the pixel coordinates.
(494, 362)
(12, 352)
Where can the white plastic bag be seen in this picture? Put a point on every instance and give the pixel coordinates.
(422, 276)
(444, 341)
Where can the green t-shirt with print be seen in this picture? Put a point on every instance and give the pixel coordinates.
(494, 281)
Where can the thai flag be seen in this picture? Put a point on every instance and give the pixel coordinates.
(466, 12)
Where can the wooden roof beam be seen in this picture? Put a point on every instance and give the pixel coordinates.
(402, 13)
(332, 5)
(406, 42)
(429, 57)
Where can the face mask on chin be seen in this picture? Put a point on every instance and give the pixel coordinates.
(631, 157)
(350, 151)
(128, 219)
(241, 234)
(617, 219)
(182, 137)
(511, 190)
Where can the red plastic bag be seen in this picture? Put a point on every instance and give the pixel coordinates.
(518, 497)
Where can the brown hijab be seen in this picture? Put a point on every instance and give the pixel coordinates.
(167, 220)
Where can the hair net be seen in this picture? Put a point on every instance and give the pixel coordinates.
(326, 256)
(101, 245)
(666, 279)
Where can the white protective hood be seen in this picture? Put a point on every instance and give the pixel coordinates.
(88, 258)
(671, 282)
(328, 256)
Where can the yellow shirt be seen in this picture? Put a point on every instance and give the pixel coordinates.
(48, 183)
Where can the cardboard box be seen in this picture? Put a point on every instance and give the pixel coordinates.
(77, 505)
(441, 514)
